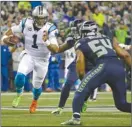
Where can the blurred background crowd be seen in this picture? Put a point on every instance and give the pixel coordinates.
(113, 18)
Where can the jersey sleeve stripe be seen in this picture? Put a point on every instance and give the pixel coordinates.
(52, 28)
(23, 24)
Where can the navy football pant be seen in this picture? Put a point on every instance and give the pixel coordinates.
(107, 71)
(71, 79)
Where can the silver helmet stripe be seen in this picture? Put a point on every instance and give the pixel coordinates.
(39, 10)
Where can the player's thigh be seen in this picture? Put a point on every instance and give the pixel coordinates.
(26, 64)
(39, 72)
(71, 76)
(93, 79)
(119, 86)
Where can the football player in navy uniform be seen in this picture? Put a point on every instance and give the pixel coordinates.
(103, 53)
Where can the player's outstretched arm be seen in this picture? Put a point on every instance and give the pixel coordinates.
(51, 42)
(122, 53)
(80, 64)
(69, 43)
(63, 47)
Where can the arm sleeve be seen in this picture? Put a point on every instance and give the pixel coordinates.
(53, 33)
(17, 28)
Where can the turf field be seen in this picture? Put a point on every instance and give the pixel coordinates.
(99, 113)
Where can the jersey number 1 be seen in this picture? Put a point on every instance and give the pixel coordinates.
(34, 41)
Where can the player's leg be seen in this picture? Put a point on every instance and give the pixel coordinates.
(65, 76)
(91, 81)
(118, 85)
(93, 95)
(26, 66)
(39, 73)
(71, 78)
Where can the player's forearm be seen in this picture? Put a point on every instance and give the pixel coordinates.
(128, 59)
(63, 47)
(80, 64)
(53, 48)
(124, 55)
(80, 71)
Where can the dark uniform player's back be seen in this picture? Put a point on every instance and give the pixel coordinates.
(108, 68)
(96, 47)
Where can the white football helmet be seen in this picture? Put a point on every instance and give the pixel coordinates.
(40, 15)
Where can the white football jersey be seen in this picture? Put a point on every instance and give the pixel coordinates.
(69, 56)
(33, 41)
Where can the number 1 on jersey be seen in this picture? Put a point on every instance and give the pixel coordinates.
(34, 41)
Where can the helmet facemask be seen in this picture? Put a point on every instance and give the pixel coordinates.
(40, 21)
(40, 15)
(88, 28)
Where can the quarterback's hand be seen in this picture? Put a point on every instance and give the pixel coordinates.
(10, 40)
(45, 36)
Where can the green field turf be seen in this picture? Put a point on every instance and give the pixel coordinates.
(99, 113)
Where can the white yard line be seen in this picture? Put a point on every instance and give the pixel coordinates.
(90, 109)
(56, 98)
(52, 93)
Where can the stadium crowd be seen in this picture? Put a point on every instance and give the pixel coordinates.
(113, 19)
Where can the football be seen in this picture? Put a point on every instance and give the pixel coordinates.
(14, 40)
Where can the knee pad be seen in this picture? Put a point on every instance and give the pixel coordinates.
(20, 80)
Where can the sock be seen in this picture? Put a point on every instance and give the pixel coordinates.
(95, 93)
(76, 115)
(19, 91)
(36, 93)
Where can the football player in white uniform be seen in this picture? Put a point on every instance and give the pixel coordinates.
(39, 39)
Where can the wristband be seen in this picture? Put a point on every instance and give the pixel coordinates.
(47, 43)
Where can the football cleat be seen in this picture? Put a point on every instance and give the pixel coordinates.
(16, 101)
(73, 121)
(58, 111)
(84, 107)
(33, 106)
(92, 99)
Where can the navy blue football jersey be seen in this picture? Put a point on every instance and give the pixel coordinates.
(96, 47)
